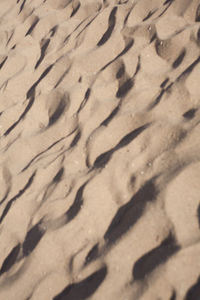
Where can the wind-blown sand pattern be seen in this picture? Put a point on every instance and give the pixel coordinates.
(100, 149)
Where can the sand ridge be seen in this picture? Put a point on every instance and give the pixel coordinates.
(100, 149)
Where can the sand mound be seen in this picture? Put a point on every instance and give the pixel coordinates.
(100, 149)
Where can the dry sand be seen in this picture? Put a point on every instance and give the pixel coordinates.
(100, 149)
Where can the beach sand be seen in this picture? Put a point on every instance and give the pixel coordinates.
(99, 150)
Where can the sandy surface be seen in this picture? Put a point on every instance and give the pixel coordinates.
(99, 150)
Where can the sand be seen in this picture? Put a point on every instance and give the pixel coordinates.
(99, 149)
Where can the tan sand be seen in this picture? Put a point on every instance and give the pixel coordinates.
(100, 149)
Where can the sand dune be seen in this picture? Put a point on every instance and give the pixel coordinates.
(100, 149)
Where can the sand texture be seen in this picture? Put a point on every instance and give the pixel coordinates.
(99, 149)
